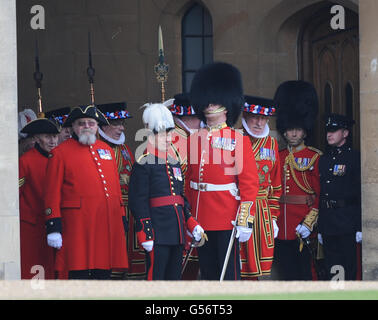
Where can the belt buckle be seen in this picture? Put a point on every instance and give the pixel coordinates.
(202, 187)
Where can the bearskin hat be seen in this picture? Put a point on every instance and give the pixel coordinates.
(297, 106)
(217, 83)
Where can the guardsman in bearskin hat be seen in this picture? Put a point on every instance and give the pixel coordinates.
(222, 180)
(32, 178)
(113, 134)
(156, 199)
(85, 215)
(340, 199)
(257, 253)
(297, 107)
(186, 123)
(59, 116)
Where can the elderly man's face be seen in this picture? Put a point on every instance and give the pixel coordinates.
(256, 122)
(85, 129)
(47, 141)
(115, 129)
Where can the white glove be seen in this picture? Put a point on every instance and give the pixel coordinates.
(303, 231)
(242, 233)
(148, 245)
(358, 236)
(320, 238)
(275, 228)
(54, 240)
(197, 232)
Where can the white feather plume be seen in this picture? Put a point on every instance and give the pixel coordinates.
(157, 117)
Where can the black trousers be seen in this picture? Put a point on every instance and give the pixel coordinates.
(212, 255)
(93, 274)
(290, 263)
(164, 262)
(340, 253)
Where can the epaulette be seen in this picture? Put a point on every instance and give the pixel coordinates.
(316, 150)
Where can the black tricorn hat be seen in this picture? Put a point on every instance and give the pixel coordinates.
(114, 110)
(41, 125)
(90, 111)
(181, 105)
(218, 83)
(335, 122)
(297, 106)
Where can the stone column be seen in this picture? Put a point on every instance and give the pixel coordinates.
(9, 212)
(368, 11)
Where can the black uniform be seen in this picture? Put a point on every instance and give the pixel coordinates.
(161, 211)
(340, 208)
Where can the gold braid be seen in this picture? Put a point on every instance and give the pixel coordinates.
(292, 164)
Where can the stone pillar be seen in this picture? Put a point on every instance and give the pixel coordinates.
(368, 11)
(9, 212)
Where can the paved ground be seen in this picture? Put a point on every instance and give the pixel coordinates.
(52, 289)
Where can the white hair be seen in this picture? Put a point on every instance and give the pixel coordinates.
(157, 117)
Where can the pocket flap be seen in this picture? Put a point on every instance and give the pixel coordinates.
(70, 204)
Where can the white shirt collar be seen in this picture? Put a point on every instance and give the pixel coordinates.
(121, 139)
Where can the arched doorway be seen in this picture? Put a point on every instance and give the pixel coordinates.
(330, 60)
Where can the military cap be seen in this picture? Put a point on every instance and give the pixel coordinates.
(297, 105)
(335, 122)
(90, 111)
(157, 117)
(114, 110)
(259, 105)
(217, 83)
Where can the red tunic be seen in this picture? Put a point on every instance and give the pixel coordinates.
(83, 192)
(220, 157)
(34, 248)
(257, 253)
(301, 179)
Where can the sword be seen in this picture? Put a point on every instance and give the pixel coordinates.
(320, 272)
(193, 244)
(229, 249)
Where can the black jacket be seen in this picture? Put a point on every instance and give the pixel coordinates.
(340, 191)
(153, 177)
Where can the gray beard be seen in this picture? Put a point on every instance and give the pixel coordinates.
(87, 139)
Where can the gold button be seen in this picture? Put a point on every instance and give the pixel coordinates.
(48, 211)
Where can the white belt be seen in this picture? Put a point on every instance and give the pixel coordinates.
(232, 187)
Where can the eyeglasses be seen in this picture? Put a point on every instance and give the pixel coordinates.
(89, 123)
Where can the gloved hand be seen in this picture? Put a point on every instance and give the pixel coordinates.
(320, 238)
(358, 236)
(54, 240)
(275, 229)
(303, 231)
(198, 232)
(242, 233)
(148, 245)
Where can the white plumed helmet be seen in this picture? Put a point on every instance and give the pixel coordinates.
(157, 117)
(24, 117)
